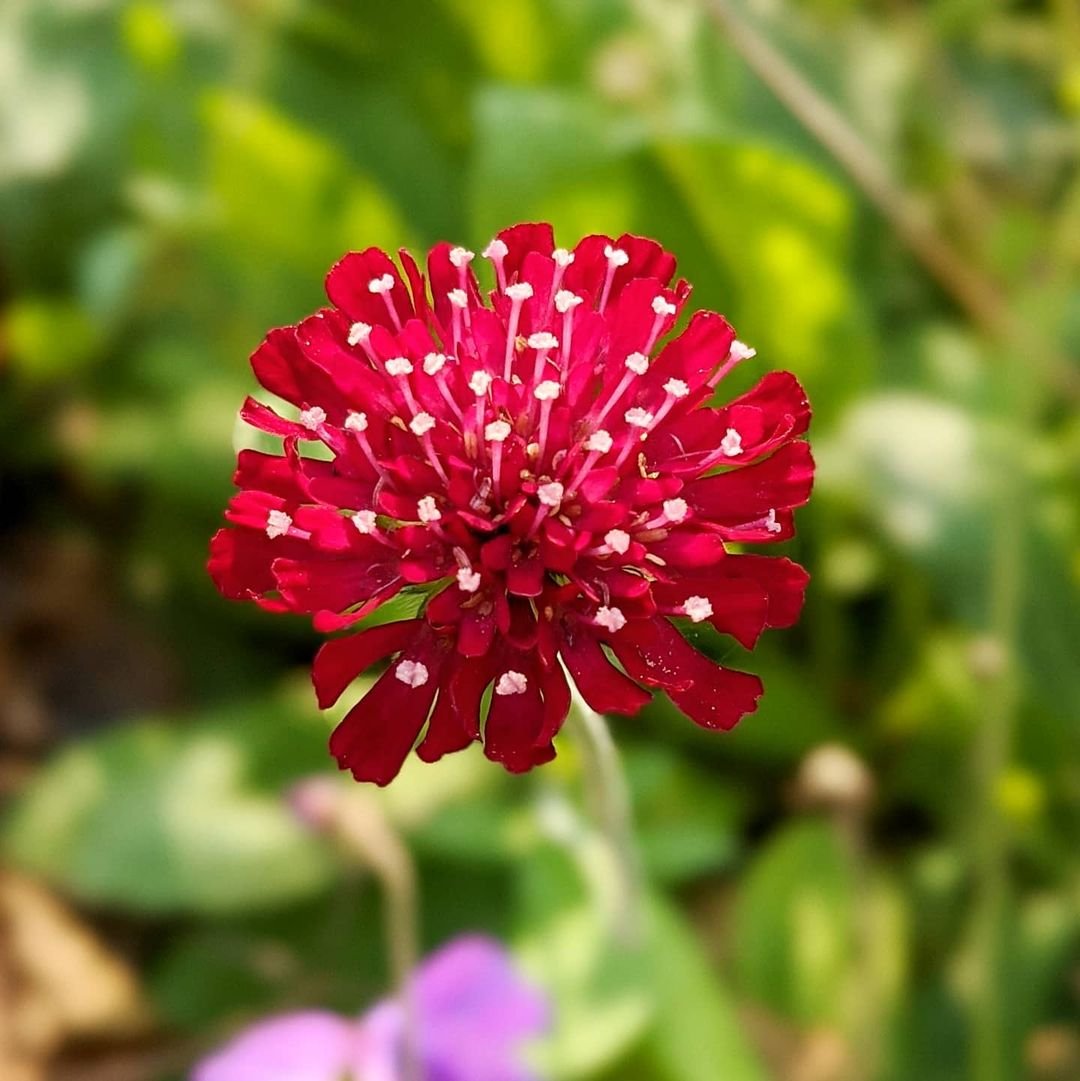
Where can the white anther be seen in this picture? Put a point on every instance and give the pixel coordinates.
(412, 673)
(511, 683)
(381, 285)
(599, 441)
(638, 417)
(565, 300)
(427, 511)
(697, 608)
(433, 363)
(662, 306)
(638, 363)
(547, 391)
(364, 520)
(278, 523)
(479, 383)
(551, 495)
(618, 540)
(519, 291)
(616, 256)
(356, 422)
(422, 423)
(740, 351)
(468, 580)
(562, 257)
(771, 524)
(399, 366)
(542, 340)
(458, 298)
(359, 332)
(677, 388)
(611, 619)
(497, 431)
(497, 249)
(675, 510)
(731, 444)
(313, 418)
(461, 256)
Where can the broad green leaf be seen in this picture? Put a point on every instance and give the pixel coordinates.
(167, 819)
(794, 925)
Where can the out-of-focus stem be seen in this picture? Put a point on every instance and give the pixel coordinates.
(989, 1058)
(607, 790)
(973, 290)
(358, 822)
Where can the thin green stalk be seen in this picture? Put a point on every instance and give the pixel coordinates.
(989, 1060)
(609, 794)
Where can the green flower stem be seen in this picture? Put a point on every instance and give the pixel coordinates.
(608, 793)
(362, 826)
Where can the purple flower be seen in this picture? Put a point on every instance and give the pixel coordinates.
(473, 1015)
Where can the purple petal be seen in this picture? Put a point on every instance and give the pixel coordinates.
(474, 1015)
(310, 1046)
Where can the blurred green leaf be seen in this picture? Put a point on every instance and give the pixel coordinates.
(153, 817)
(794, 925)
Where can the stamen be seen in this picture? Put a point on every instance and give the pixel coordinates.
(638, 417)
(543, 343)
(566, 302)
(313, 419)
(278, 524)
(676, 510)
(618, 540)
(365, 521)
(459, 302)
(480, 383)
(422, 423)
(511, 683)
(676, 389)
(731, 444)
(427, 510)
(384, 287)
(359, 332)
(611, 619)
(356, 422)
(468, 580)
(433, 363)
(599, 443)
(550, 495)
(636, 364)
(771, 524)
(562, 257)
(412, 673)
(497, 251)
(461, 257)
(737, 353)
(662, 309)
(547, 391)
(616, 258)
(496, 433)
(398, 366)
(697, 608)
(518, 294)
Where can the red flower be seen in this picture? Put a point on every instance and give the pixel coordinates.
(550, 474)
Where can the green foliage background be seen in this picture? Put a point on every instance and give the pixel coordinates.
(177, 175)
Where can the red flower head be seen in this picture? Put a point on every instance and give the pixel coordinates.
(543, 468)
